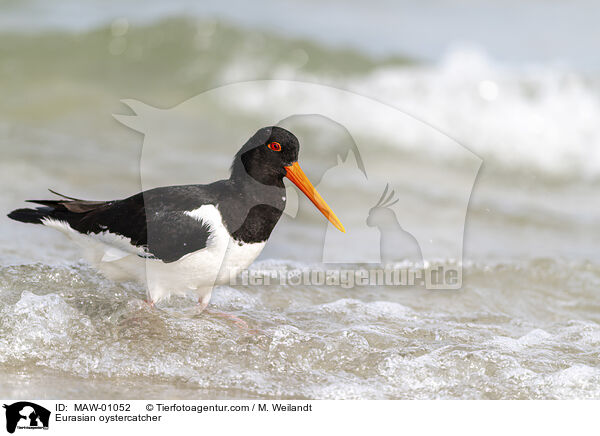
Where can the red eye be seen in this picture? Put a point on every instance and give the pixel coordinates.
(275, 146)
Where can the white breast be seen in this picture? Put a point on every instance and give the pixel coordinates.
(238, 257)
(205, 268)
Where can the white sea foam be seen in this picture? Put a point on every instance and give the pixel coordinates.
(534, 117)
(314, 343)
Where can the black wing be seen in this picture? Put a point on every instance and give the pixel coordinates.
(154, 220)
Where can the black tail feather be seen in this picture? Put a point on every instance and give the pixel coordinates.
(68, 209)
(33, 216)
(65, 196)
(51, 203)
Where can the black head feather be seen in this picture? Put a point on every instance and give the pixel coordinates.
(264, 164)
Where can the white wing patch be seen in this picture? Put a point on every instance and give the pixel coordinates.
(114, 246)
(209, 215)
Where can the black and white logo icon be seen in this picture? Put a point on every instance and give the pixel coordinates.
(26, 415)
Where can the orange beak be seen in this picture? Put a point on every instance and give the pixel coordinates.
(298, 178)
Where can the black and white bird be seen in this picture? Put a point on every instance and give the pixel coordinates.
(177, 239)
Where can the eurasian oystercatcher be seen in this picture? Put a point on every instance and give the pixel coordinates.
(188, 237)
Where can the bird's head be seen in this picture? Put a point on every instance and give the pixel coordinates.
(266, 155)
(272, 154)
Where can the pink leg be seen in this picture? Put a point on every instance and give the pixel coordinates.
(203, 302)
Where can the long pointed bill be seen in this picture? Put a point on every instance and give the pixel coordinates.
(298, 178)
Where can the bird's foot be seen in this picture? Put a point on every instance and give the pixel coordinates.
(136, 308)
(240, 323)
(237, 321)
